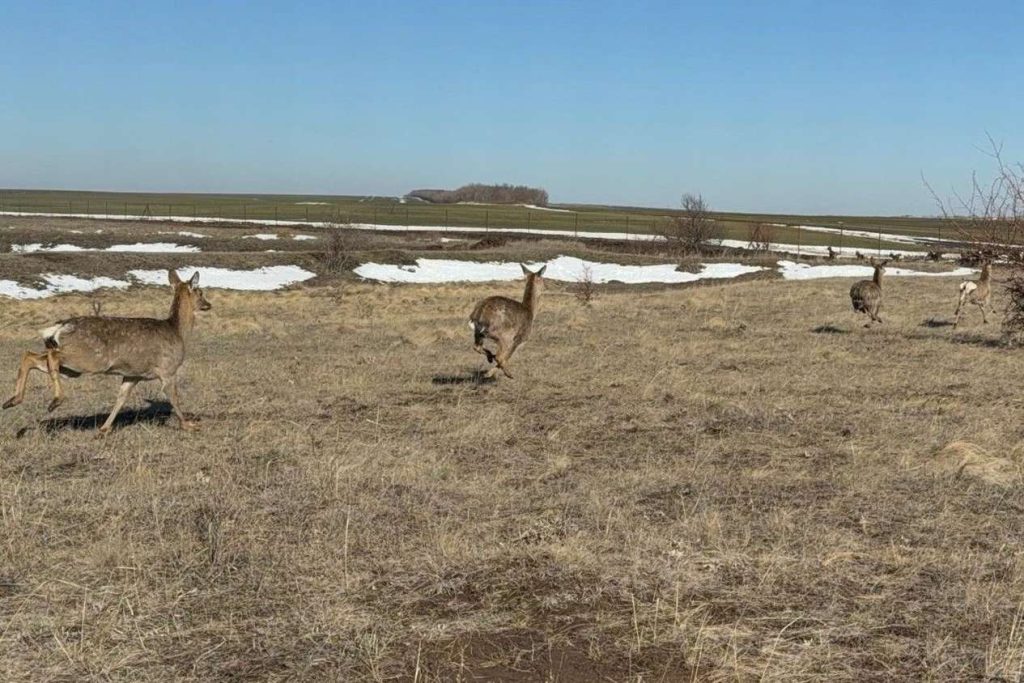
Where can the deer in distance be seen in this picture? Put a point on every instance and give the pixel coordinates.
(136, 349)
(977, 292)
(506, 322)
(866, 295)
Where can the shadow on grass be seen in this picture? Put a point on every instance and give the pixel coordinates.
(979, 340)
(934, 322)
(829, 329)
(155, 413)
(476, 377)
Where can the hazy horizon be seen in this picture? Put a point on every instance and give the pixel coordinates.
(799, 108)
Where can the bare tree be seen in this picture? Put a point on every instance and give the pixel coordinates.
(989, 218)
(692, 230)
(989, 221)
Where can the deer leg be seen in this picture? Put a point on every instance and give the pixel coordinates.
(170, 387)
(122, 395)
(29, 362)
(53, 368)
(502, 358)
(984, 315)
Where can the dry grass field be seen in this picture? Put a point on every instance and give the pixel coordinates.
(715, 483)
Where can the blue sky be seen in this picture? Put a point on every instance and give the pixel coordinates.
(804, 107)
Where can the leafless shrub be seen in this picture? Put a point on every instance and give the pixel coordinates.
(585, 290)
(990, 220)
(693, 230)
(336, 256)
(832, 253)
(760, 237)
(935, 255)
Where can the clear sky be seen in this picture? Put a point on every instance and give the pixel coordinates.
(806, 107)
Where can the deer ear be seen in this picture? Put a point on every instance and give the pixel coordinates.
(542, 269)
(526, 271)
(194, 280)
(172, 276)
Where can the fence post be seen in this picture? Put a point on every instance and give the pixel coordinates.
(529, 219)
(487, 219)
(879, 241)
(576, 225)
(407, 216)
(798, 233)
(840, 238)
(446, 219)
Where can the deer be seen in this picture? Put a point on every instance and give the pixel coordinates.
(135, 349)
(506, 322)
(978, 292)
(866, 295)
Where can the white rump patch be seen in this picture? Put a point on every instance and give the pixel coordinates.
(53, 332)
(968, 287)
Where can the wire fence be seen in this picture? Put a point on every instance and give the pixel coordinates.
(825, 241)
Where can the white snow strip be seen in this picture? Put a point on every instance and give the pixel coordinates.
(58, 284)
(183, 233)
(544, 208)
(580, 234)
(302, 238)
(261, 236)
(257, 279)
(802, 271)
(818, 250)
(154, 247)
(32, 248)
(314, 203)
(563, 268)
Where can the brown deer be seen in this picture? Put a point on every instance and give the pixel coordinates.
(978, 292)
(505, 321)
(866, 295)
(136, 349)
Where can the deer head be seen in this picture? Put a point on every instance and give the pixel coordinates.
(187, 293)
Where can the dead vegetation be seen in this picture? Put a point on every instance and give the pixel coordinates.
(681, 484)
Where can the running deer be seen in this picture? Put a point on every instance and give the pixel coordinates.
(978, 292)
(136, 349)
(866, 295)
(505, 321)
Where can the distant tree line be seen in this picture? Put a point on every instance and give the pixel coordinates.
(485, 194)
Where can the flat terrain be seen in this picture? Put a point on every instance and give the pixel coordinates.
(715, 482)
(392, 211)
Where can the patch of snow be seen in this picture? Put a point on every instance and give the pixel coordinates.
(58, 284)
(563, 268)
(261, 236)
(183, 233)
(304, 237)
(802, 271)
(545, 208)
(314, 203)
(32, 248)
(155, 247)
(256, 279)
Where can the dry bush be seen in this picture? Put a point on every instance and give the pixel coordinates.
(336, 256)
(586, 289)
(760, 238)
(692, 230)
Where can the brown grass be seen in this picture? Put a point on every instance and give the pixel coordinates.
(681, 484)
